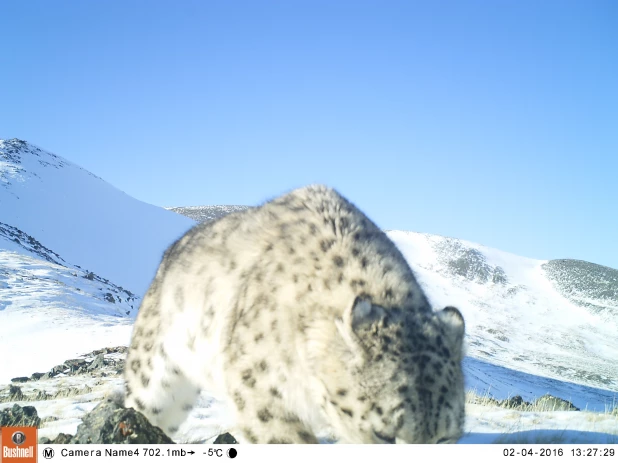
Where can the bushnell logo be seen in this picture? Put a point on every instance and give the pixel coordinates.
(19, 445)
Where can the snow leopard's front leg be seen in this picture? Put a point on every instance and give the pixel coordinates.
(255, 388)
(265, 420)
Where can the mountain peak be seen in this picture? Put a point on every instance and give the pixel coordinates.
(20, 160)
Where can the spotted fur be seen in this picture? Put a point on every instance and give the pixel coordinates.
(304, 316)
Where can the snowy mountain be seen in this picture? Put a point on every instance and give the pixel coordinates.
(76, 254)
(82, 218)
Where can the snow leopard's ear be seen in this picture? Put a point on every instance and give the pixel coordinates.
(357, 315)
(362, 313)
(453, 321)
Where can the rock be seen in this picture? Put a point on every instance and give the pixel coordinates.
(226, 438)
(41, 395)
(109, 423)
(15, 393)
(514, 402)
(98, 362)
(111, 350)
(19, 416)
(75, 365)
(61, 438)
(550, 403)
(20, 379)
(37, 376)
(72, 392)
(499, 276)
(57, 370)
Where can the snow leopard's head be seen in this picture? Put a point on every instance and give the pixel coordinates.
(400, 378)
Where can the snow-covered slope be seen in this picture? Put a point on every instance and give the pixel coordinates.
(49, 312)
(82, 218)
(76, 254)
(521, 313)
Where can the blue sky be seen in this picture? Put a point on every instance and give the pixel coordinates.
(492, 121)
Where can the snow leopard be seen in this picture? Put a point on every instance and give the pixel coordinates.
(304, 318)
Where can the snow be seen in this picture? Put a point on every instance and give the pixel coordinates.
(491, 425)
(48, 315)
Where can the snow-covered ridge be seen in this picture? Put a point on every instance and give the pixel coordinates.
(18, 161)
(206, 213)
(24, 245)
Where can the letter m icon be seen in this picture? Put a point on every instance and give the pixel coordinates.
(48, 453)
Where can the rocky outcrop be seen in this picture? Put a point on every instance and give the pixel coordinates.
(19, 416)
(550, 403)
(546, 403)
(225, 438)
(101, 364)
(110, 423)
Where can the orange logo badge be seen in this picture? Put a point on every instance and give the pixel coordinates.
(19, 445)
